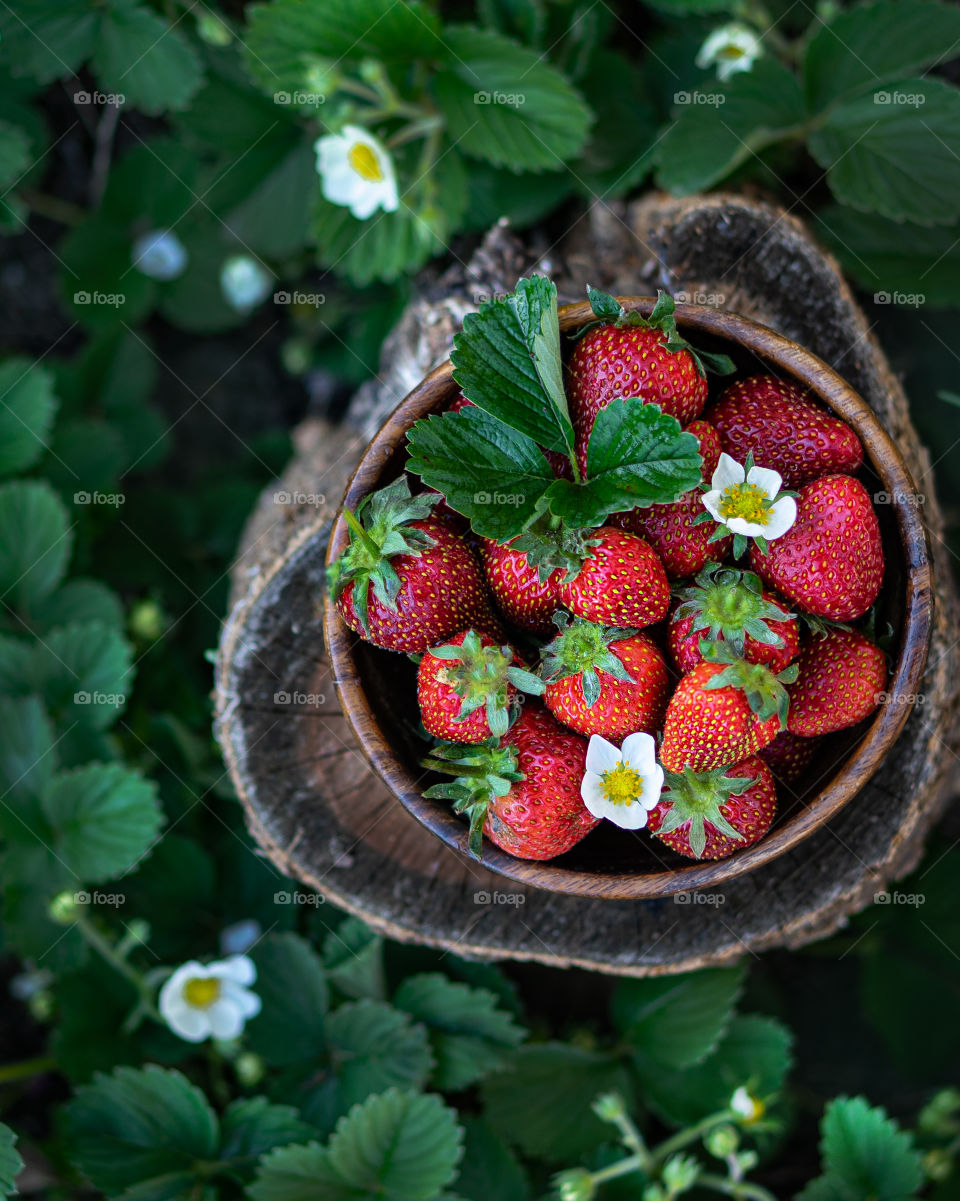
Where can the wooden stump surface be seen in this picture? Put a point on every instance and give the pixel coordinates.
(316, 807)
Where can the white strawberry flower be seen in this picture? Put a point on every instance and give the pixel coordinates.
(160, 255)
(748, 501)
(622, 785)
(731, 48)
(211, 1000)
(356, 171)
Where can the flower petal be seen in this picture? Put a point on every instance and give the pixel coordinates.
(728, 472)
(189, 1023)
(239, 968)
(591, 790)
(226, 1019)
(601, 755)
(247, 1002)
(652, 788)
(766, 478)
(627, 817)
(711, 500)
(751, 529)
(640, 751)
(782, 516)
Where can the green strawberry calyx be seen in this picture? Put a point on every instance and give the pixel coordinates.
(481, 677)
(610, 311)
(729, 604)
(550, 544)
(697, 798)
(764, 690)
(380, 530)
(480, 774)
(583, 648)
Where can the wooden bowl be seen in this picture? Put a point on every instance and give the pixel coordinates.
(377, 688)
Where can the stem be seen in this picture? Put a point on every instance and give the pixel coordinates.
(416, 129)
(355, 88)
(361, 534)
(25, 1068)
(53, 207)
(685, 1137)
(105, 948)
(458, 769)
(632, 1163)
(741, 1190)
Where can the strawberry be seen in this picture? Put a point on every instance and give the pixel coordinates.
(841, 681)
(525, 600)
(731, 606)
(789, 756)
(709, 815)
(467, 688)
(723, 711)
(626, 355)
(830, 561)
(621, 583)
(523, 792)
(406, 581)
(684, 547)
(785, 429)
(604, 681)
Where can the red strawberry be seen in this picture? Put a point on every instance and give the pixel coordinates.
(524, 793)
(841, 681)
(459, 402)
(830, 561)
(525, 600)
(629, 356)
(723, 711)
(786, 430)
(788, 756)
(604, 681)
(684, 548)
(425, 587)
(621, 583)
(467, 688)
(730, 606)
(709, 815)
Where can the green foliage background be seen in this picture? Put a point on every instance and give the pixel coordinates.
(378, 1070)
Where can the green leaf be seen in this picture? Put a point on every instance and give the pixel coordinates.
(616, 158)
(755, 1050)
(84, 673)
(894, 158)
(353, 958)
(865, 1154)
(82, 601)
(146, 59)
(251, 1127)
(469, 1034)
(10, 1162)
(677, 1020)
(274, 219)
(873, 44)
(88, 456)
(492, 474)
(141, 1130)
(692, 8)
(16, 666)
(523, 20)
(723, 127)
(14, 154)
(489, 1170)
(35, 543)
(399, 1144)
(103, 819)
(27, 408)
(27, 752)
(299, 1174)
(292, 986)
(637, 456)
(375, 1047)
(541, 1102)
(47, 39)
(502, 102)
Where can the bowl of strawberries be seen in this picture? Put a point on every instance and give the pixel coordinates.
(627, 598)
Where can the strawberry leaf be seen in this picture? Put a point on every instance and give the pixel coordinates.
(507, 361)
(492, 474)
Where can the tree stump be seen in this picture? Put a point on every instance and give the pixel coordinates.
(316, 807)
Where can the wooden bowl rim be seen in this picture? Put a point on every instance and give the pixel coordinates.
(784, 357)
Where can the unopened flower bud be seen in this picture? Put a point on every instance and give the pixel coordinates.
(576, 1184)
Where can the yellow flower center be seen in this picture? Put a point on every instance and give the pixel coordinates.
(366, 164)
(201, 991)
(747, 501)
(621, 784)
(732, 51)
